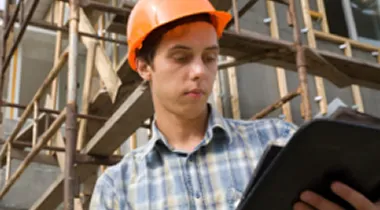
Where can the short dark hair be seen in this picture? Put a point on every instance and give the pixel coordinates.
(149, 45)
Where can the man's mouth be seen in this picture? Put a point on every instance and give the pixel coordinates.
(196, 93)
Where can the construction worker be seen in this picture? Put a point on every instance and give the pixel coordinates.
(195, 159)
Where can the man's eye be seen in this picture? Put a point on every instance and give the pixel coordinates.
(210, 58)
(181, 58)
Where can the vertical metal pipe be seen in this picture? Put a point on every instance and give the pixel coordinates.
(3, 52)
(71, 124)
(236, 15)
(300, 62)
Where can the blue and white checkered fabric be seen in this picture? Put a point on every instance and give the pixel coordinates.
(212, 177)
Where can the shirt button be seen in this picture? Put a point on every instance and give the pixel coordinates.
(198, 195)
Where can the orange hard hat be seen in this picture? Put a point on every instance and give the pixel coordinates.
(147, 15)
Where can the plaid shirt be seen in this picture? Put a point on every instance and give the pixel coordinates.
(213, 176)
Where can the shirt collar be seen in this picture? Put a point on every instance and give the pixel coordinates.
(215, 121)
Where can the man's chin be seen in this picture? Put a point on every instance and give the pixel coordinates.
(193, 110)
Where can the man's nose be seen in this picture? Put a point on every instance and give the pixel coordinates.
(198, 69)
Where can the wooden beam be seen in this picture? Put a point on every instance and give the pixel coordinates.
(42, 141)
(86, 96)
(281, 75)
(102, 62)
(356, 94)
(286, 2)
(281, 53)
(133, 112)
(234, 92)
(57, 8)
(52, 74)
(217, 95)
(320, 87)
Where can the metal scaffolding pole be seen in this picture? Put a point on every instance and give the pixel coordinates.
(300, 63)
(20, 34)
(71, 122)
(3, 52)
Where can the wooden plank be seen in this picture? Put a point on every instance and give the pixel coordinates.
(102, 62)
(86, 96)
(133, 112)
(217, 94)
(42, 141)
(233, 90)
(281, 76)
(322, 10)
(358, 100)
(51, 99)
(320, 87)
(50, 77)
(281, 53)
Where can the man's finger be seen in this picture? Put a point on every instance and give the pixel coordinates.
(301, 206)
(355, 198)
(318, 201)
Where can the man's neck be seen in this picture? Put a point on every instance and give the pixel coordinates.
(181, 133)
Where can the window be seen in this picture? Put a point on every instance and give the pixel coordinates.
(366, 15)
(356, 19)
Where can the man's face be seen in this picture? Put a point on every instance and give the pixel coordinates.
(184, 69)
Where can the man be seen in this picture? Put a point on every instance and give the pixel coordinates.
(195, 159)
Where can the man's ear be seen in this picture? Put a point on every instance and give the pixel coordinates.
(144, 69)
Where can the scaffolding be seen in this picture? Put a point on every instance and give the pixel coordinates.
(84, 148)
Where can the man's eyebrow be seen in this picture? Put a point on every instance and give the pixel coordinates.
(177, 46)
(184, 47)
(214, 47)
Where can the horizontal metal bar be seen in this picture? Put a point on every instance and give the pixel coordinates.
(104, 7)
(286, 2)
(52, 111)
(80, 158)
(65, 29)
(52, 27)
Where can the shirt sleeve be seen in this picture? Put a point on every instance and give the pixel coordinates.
(273, 131)
(104, 196)
(284, 131)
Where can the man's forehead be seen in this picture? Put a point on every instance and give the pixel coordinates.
(198, 33)
(198, 28)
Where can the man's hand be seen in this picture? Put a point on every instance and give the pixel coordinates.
(356, 199)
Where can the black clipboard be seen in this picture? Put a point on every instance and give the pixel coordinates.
(321, 151)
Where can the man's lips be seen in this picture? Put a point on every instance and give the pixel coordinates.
(195, 93)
